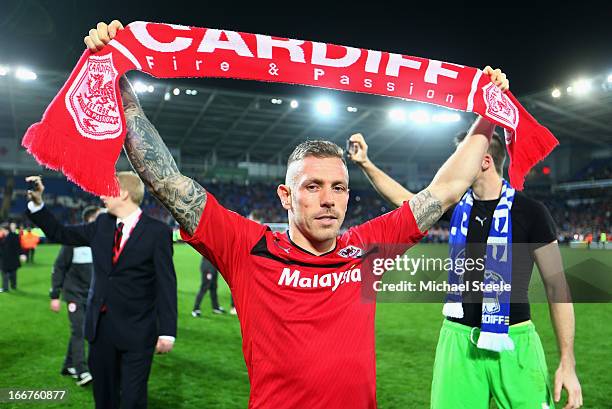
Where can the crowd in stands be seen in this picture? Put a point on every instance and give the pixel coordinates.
(597, 169)
(577, 214)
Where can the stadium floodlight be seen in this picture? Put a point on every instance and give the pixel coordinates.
(4, 70)
(176, 91)
(188, 92)
(582, 86)
(324, 107)
(569, 90)
(446, 117)
(397, 114)
(351, 109)
(420, 117)
(194, 92)
(25, 74)
(150, 88)
(167, 96)
(140, 87)
(294, 104)
(276, 101)
(556, 93)
(609, 77)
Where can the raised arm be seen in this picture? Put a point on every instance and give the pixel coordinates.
(148, 154)
(74, 235)
(384, 184)
(454, 177)
(151, 159)
(459, 171)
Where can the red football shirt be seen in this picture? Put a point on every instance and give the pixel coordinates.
(308, 336)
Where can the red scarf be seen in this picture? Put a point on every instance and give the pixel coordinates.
(83, 129)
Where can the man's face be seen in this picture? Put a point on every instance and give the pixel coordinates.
(12, 227)
(319, 196)
(113, 203)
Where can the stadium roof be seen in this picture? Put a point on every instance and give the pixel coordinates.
(226, 125)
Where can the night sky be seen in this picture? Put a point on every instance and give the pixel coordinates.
(538, 48)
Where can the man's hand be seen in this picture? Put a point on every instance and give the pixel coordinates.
(101, 35)
(566, 378)
(55, 305)
(35, 194)
(163, 346)
(358, 149)
(497, 77)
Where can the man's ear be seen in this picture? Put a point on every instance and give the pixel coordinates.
(124, 194)
(487, 162)
(284, 194)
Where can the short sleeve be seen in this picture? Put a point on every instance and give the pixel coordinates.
(542, 227)
(395, 227)
(224, 237)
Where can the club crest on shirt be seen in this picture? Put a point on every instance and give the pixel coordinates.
(91, 99)
(350, 252)
(499, 106)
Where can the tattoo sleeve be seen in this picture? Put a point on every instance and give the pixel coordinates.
(151, 159)
(427, 209)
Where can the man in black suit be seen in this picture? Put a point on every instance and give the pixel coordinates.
(131, 308)
(10, 250)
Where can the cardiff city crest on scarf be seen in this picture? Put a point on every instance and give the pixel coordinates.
(92, 102)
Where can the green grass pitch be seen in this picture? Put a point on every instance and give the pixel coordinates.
(206, 368)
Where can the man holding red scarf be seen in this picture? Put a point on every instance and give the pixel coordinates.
(308, 337)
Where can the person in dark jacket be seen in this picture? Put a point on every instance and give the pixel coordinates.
(10, 249)
(210, 276)
(71, 277)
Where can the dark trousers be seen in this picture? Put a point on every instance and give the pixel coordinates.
(208, 284)
(30, 255)
(9, 276)
(119, 377)
(75, 356)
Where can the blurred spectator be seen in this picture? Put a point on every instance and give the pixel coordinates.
(10, 250)
(29, 242)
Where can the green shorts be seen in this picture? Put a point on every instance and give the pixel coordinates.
(465, 376)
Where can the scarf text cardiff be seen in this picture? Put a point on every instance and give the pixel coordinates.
(83, 129)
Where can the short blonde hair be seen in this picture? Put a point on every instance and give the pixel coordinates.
(131, 183)
(318, 149)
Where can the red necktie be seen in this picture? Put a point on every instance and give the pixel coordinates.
(117, 243)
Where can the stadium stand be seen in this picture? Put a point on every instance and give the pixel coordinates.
(576, 213)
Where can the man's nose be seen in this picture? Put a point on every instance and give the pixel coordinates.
(327, 198)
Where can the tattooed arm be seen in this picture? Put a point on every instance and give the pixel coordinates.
(460, 170)
(454, 177)
(151, 159)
